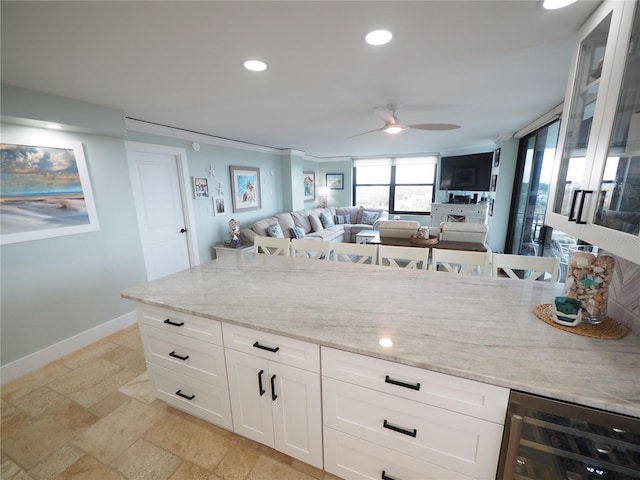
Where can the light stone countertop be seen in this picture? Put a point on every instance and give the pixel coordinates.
(473, 327)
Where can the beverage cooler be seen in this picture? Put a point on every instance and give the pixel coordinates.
(546, 439)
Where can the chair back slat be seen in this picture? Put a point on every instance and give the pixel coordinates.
(404, 257)
(536, 267)
(460, 261)
(312, 249)
(271, 245)
(355, 253)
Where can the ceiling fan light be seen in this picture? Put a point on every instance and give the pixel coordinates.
(393, 129)
(378, 37)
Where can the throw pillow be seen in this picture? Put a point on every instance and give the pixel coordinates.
(342, 219)
(316, 225)
(296, 232)
(325, 219)
(275, 231)
(369, 218)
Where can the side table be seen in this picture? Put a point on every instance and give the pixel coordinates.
(222, 249)
(365, 236)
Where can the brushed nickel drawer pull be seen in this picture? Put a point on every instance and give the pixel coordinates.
(412, 386)
(263, 347)
(395, 428)
(180, 394)
(175, 355)
(169, 322)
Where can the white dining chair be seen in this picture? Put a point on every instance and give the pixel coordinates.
(405, 257)
(460, 261)
(313, 249)
(355, 253)
(531, 268)
(271, 245)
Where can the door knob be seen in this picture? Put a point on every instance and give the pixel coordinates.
(183, 230)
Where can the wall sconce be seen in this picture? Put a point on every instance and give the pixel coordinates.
(324, 193)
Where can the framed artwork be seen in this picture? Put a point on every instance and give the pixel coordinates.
(219, 207)
(309, 182)
(491, 207)
(496, 158)
(245, 184)
(200, 187)
(335, 181)
(494, 182)
(45, 191)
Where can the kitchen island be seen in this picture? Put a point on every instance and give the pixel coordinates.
(476, 328)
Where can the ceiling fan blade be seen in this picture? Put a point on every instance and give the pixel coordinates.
(364, 133)
(435, 126)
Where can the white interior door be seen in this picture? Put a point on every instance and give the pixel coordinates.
(166, 231)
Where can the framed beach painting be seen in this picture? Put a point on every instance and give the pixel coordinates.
(309, 183)
(245, 182)
(45, 191)
(335, 181)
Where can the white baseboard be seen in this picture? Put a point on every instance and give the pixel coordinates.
(35, 360)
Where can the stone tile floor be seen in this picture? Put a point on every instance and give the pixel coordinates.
(91, 415)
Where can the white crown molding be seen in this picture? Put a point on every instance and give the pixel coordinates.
(165, 131)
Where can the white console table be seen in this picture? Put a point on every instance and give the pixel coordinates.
(457, 212)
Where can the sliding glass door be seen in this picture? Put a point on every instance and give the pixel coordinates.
(531, 190)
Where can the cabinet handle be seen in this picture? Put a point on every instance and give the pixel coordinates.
(273, 388)
(169, 322)
(412, 386)
(386, 477)
(572, 210)
(515, 431)
(180, 394)
(260, 389)
(395, 428)
(264, 347)
(581, 207)
(175, 355)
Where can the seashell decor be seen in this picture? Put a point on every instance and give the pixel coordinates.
(588, 278)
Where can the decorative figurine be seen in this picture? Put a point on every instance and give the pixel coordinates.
(234, 233)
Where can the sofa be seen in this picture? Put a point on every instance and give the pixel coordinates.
(333, 224)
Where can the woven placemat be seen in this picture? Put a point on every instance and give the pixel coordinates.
(610, 329)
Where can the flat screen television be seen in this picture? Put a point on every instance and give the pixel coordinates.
(466, 172)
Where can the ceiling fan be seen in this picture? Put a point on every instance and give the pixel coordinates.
(393, 126)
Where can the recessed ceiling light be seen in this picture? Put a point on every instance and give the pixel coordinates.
(555, 4)
(255, 65)
(53, 126)
(378, 37)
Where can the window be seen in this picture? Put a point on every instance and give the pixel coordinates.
(399, 185)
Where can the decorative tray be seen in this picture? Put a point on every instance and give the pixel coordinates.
(432, 240)
(611, 328)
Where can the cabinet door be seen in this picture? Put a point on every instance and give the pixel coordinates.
(297, 412)
(250, 394)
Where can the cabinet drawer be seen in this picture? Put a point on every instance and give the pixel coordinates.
(190, 356)
(356, 459)
(273, 347)
(457, 442)
(193, 396)
(181, 323)
(477, 399)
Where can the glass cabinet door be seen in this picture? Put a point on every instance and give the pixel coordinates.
(618, 206)
(575, 169)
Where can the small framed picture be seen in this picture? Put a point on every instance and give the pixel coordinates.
(309, 185)
(219, 207)
(245, 184)
(335, 181)
(496, 158)
(200, 187)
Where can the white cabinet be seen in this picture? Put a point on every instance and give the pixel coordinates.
(453, 212)
(185, 361)
(451, 424)
(274, 383)
(595, 190)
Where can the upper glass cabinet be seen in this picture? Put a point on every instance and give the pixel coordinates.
(595, 189)
(618, 204)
